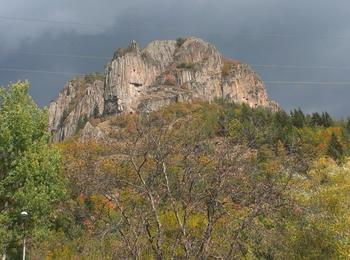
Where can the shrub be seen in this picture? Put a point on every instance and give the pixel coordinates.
(91, 77)
(81, 123)
(180, 41)
(228, 63)
(185, 65)
(335, 149)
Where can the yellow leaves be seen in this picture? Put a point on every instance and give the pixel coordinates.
(322, 136)
(72, 148)
(325, 195)
(324, 163)
(64, 252)
(271, 167)
(235, 128)
(280, 149)
(315, 205)
(168, 219)
(322, 170)
(237, 111)
(108, 165)
(204, 160)
(197, 221)
(128, 196)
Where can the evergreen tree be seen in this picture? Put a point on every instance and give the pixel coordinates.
(348, 125)
(326, 120)
(316, 119)
(281, 119)
(298, 118)
(335, 149)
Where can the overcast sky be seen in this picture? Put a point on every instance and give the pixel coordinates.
(311, 38)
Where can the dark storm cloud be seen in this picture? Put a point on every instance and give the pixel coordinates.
(301, 33)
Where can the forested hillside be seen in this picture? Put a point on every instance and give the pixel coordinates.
(200, 180)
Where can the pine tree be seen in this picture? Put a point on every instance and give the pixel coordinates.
(316, 119)
(326, 120)
(348, 125)
(298, 118)
(335, 149)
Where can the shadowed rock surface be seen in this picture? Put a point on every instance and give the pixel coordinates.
(147, 79)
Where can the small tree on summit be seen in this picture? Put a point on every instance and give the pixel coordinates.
(335, 149)
(180, 41)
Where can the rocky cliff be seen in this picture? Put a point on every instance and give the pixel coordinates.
(80, 100)
(146, 79)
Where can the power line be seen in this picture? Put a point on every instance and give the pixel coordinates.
(282, 66)
(277, 66)
(267, 35)
(40, 71)
(280, 35)
(49, 21)
(299, 83)
(299, 67)
(309, 82)
(36, 20)
(62, 55)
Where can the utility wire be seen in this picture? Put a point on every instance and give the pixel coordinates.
(268, 35)
(277, 66)
(36, 20)
(272, 66)
(62, 55)
(284, 83)
(304, 83)
(108, 58)
(49, 21)
(39, 71)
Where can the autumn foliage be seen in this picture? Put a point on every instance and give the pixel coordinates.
(208, 181)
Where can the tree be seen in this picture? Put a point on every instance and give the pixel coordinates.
(347, 127)
(319, 223)
(172, 190)
(335, 149)
(326, 120)
(29, 169)
(298, 118)
(316, 119)
(205, 181)
(180, 41)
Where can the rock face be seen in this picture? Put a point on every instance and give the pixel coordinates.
(81, 99)
(91, 132)
(146, 79)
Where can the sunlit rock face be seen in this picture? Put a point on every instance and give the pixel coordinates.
(162, 73)
(80, 100)
(132, 71)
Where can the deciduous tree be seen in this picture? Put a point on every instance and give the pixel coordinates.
(30, 177)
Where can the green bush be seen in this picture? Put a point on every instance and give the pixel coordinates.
(185, 65)
(180, 41)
